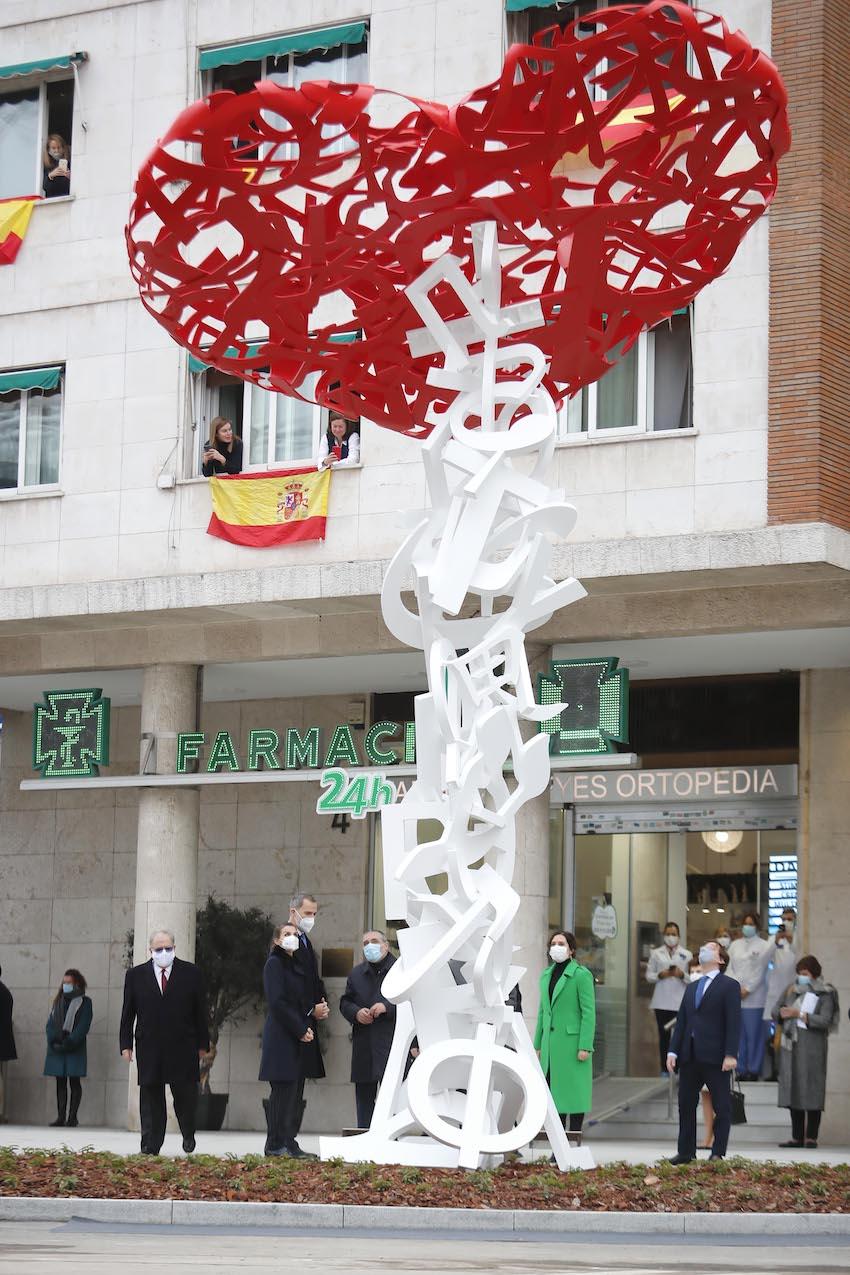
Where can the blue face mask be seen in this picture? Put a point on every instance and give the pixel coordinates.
(67, 988)
(804, 980)
(372, 952)
(748, 931)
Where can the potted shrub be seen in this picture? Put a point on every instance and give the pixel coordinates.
(231, 946)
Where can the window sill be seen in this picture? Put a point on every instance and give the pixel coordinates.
(623, 436)
(44, 202)
(37, 493)
(197, 480)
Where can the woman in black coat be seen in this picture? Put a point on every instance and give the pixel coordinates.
(372, 1021)
(290, 1048)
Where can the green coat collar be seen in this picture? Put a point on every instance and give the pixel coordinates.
(569, 972)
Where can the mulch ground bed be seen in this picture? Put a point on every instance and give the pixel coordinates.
(742, 1186)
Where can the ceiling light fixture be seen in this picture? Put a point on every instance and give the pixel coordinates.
(723, 842)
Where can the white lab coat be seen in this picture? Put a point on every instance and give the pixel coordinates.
(748, 960)
(668, 991)
(782, 972)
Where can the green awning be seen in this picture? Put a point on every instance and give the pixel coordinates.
(517, 6)
(63, 63)
(38, 378)
(277, 46)
(195, 365)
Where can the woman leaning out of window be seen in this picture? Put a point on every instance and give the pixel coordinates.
(56, 163)
(340, 446)
(223, 453)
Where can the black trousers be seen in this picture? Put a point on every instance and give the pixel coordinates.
(152, 1113)
(281, 1121)
(62, 1095)
(805, 1124)
(365, 1094)
(663, 1016)
(576, 1119)
(692, 1077)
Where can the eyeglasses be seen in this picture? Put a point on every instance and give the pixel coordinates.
(162, 949)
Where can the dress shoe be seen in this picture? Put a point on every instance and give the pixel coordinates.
(681, 1159)
(792, 1143)
(714, 1156)
(72, 1122)
(292, 1149)
(58, 1123)
(810, 1142)
(276, 1151)
(189, 1144)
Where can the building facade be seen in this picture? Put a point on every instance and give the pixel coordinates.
(713, 536)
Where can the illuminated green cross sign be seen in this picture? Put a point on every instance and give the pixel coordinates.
(70, 735)
(595, 696)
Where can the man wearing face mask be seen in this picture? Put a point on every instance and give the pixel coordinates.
(164, 999)
(667, 968)
(784, 952)
(704, 1044)
(303, 910)
(372, 1021)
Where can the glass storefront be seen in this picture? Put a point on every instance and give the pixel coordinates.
(617, 890)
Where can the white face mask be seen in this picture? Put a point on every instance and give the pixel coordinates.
(724, 941)
(305, 923)
(671, 940)
(558, 953)
(707, 956)
(788, 926)
(289, 942)
(163, 960)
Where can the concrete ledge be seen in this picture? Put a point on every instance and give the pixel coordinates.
(246, 1213)
(379, 1217)
(32, 1208)
(366, 1217)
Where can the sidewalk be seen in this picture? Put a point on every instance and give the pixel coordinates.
(239, 1143)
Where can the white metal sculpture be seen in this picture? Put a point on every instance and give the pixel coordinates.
(479, 569)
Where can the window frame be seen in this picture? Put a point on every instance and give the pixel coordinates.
(207, 78)
(204, 400)
(40, 81)
(644, 394)
(22, 488)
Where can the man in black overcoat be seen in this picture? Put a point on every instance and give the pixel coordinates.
(705, 1045)
(7, 1040)
(303, 910)
(372, 1021)
(165, 999)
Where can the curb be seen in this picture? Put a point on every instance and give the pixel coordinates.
(368, 1217)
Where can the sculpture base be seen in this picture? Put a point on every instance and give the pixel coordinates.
(425, 1152)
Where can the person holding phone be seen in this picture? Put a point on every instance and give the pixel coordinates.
(340, 446)
(223, 452)
(56, 166)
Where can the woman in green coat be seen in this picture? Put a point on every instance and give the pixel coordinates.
(566, 1023)
(67, 1028)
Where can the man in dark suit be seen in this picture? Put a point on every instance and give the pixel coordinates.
(303, 910)
(704, 1043)
(165, 999)
(372, 1021)
(7, 1040)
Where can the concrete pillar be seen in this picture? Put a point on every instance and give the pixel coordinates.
(824, 884)
(167, 859)
(531, 880)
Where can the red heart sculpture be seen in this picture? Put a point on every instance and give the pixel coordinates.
(304, 213)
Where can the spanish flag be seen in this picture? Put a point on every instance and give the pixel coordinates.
(272, 508)
(14, 218)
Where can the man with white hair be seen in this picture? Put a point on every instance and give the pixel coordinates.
(165, 1000)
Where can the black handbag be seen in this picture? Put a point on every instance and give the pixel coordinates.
(739, 1112)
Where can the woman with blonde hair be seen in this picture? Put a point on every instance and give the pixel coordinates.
(56, 165)
(223, 452)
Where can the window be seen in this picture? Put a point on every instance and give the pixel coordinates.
(526, 21)
(275, 429)
(30, 418)
(648, 390)
(30, 116)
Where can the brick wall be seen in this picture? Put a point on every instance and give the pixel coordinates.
(809, 353)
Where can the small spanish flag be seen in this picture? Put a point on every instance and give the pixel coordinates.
(14, 218)
(272, 508)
